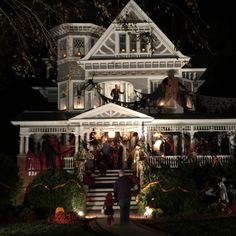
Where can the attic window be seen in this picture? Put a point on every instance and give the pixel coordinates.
(133, 43)
(122, 43)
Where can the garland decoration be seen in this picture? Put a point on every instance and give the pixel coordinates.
(57, 186)
(144, 99)
(162, 188)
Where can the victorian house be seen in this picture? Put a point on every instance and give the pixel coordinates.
(156, 106)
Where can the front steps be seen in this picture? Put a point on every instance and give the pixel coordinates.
(103, 184)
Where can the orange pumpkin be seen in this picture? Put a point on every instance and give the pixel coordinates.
(59, 209)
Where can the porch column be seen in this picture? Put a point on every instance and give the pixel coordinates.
(26, 144)
(76, 143)
(21, 151)
(183, 143)
(175, 140)
(232, 143)
(191, 137)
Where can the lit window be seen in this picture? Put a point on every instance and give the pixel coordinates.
(63, 97)
(78, 47)
(78, 97)
(62, 53)
(143, 45)
(133, 46)
(122, 42)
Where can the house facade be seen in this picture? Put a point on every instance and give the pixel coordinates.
(155, 105)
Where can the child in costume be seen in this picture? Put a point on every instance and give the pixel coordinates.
(108, 208)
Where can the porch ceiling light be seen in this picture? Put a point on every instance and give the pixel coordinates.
(111, 134)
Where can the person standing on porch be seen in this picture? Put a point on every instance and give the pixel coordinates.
(115, 93)
(122, 193)
(120, 154)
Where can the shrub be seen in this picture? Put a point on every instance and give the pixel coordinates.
(54, 188)
(10, 183)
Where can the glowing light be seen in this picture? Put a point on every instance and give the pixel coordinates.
(157, 144)
(148, 211)
(111, 134)
(80, 213)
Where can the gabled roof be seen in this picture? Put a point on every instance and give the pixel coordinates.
(111, 111)
(132, 13)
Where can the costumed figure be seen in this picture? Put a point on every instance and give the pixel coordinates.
(223, 191)
(115, 93)
(108, 208)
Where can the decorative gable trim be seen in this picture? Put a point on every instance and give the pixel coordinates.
(111, 111)
(105, 47)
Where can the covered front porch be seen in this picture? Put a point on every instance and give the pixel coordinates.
(159, 141)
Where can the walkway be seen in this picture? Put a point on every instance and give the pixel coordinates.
(132, 229)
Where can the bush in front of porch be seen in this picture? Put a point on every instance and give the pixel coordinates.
(10, 182)
(167, 189)
(181, 191)
(55, 188)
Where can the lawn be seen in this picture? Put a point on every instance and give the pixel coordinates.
(216, 226)
(44, 229)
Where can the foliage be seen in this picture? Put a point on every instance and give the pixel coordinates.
(173, 190)
(10, 182)
(28, 24)
(54, 188)
(40, 228)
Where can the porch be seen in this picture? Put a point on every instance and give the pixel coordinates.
(70, 164)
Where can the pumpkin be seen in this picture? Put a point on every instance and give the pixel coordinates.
(59, 209)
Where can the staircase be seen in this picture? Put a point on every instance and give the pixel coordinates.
(96, 196)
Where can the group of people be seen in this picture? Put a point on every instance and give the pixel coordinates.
(124, 188)
(49, 153)
(109, 156)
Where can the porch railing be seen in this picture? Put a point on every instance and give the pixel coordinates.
(34, 165)
(173, 161)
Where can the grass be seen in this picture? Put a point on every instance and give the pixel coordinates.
(44, 229)
(217, 226)
(214, 226)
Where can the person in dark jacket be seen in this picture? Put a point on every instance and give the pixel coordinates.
(122, 194)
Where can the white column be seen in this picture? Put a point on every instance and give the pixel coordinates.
(26, 144)
(231, 143)
(183, 143)
(21, 145)
(76, 143)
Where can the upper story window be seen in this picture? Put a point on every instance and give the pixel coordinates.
(63, 96)
(122, 42)
(62, 49)
(133, 43)
(78, 47)
(143, 45)
(78, 96)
